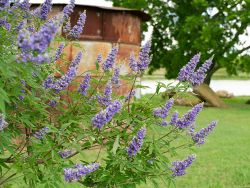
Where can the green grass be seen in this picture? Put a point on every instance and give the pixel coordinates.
(221, 74)
(224, 161)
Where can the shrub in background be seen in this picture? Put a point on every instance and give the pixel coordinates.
(46, 130)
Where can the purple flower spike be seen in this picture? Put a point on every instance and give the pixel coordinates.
(174, 118)
(163, 112)
(164, 123)
(3, 123)
(67, 27)
(199, 137)
(106, 99)
(45, 9)
(70, 175)
(187, 73)
(65, 153)
(19, 26)
(41, 133)
(6, 24)
(133, 63)
(48, 83)
(198, 77)
(99, 58)
(129, 96)
(99, 120)
(59, 51)
(87, 169)
(37, 42)
(68, 9)
(179, 167)
(112, 109)
(109, 62)
(106, 115)
(189, 117)
(23, 82)
(115, 78)
(66, 79)
(85, 85)
(188, 69)
(77, 60)
(78, 171)
(21, 97)
(52, 103)
(4, 3)
(136, 143)
(144, 58)
(25, 5)
(78, 28)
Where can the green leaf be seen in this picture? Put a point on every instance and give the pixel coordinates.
(97, 65)
(116, 144)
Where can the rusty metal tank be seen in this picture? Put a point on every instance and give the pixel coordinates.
(106, 27)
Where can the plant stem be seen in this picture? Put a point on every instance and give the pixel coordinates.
(131, 92)
(4, 181)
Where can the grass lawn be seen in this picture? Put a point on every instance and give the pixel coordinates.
(221, 74)
(224, 161)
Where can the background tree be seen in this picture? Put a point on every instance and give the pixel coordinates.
(182, 28)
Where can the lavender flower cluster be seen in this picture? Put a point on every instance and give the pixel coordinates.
(66, 79)
(85, 85)
(143, 61)
(3, 123)
(163, 112)
(199, 137)
(115, 78)
(45, 9)
(65, 153)
(188, 73)
(106, 99)
(130, 95)
(99, 58)
(179, 167)
(59, 52)
(37, 42)
(41, 133)
(24, 5)
(78, 171)
(109, 62)
(68, 9)
(105, 116)
(4, 3)
(78, 28)
(136, 143)
(5, 24)
(67, 27)
(189, 117)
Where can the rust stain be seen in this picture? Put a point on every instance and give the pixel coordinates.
(121, 27)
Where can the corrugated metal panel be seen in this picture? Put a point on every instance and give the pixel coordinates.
(121, 27)
(93, 26)
(142, 15)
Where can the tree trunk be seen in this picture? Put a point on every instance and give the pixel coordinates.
(210, 73)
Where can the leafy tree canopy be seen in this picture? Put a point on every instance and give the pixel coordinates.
(182, 28)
